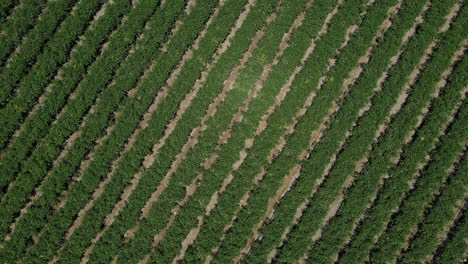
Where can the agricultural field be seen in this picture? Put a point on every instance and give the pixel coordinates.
(233, 131)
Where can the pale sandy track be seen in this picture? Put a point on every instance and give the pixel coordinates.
(85, 163)
(58, 76)
(294, 173)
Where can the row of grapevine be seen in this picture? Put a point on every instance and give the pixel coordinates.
(132, 115)
(379, 163)
(231, 120)
(214, 79)
(338, 173)
(34, 83)
(18, 25)
(206, 46)
(275, 227)
(38, 123)
(454, 248)
(258, 199)
(6, 8)
(233, 131)
(440, 216)
(238, 143)
(135, 181)
(62, 175)
(45, 152)
(417, 199)
(57, 24)
(339, 228)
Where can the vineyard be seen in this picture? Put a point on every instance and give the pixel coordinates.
(233, 131)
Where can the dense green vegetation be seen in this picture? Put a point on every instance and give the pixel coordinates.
(233, 131)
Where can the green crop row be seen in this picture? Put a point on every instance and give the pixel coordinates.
(61, 176)
(342, 121)
(32, 85)
(111, 240)
(356, 200)
(291, 106)
(24, 183)
(6, 6)
(53, 29)
(38, 124)
(453, 250)
(352, 151)
(443, 211)
(359, 43)
(92, 223)
(411, 210)
(130, 117)
(379, 161)
(19, 24)
(264, 53)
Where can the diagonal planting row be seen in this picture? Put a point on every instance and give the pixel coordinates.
(6, 8)
(114, 216)
(191, 187)
(335, 173)
(339, 22)
(378, 170)
(236, 163)
(411, 209)
(55, 53)
(453, 249)
(167, 154)
(92, 131)
(267, 237)
(69, 119)
(78, 59)
(439, 218)
(83, 55)
(188, 34)
(286, 180)
(95, 216)
(50, 106)
(56, 28)
(346, 162)
(20, 22)
(338, 229)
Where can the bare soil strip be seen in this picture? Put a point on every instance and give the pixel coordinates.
(354, 75)
(109, 220)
